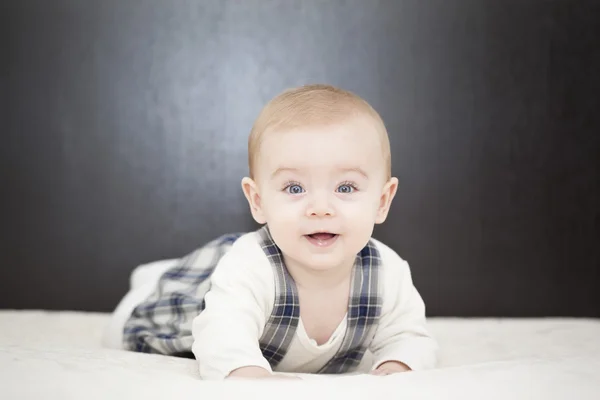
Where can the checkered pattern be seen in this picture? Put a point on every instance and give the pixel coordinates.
(363, 313)
(163, 323)
(281, 326)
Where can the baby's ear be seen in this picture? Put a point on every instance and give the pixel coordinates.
(250, 189)
(387, 195)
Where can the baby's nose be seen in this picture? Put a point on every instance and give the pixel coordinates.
(320, 206)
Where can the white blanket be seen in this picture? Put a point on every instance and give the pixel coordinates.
(59, 355)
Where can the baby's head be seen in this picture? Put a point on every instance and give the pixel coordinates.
(320, 174)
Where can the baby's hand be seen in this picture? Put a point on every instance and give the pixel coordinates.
(390, 367)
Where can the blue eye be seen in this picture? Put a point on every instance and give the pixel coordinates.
(346, 188)
(295, 189)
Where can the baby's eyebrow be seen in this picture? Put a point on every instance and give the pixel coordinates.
(358, 170)
(281, 170)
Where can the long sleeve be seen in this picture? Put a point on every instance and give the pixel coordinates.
(227, 332)
(402, 334)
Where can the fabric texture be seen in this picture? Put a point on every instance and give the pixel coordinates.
(363, 311)
(59, 355)
(162, 323)
(281, 325)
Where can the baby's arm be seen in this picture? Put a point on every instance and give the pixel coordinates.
(402, 341)
(226, 333)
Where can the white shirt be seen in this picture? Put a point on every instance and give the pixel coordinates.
(226, 334)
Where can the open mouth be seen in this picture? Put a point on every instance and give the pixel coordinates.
(322, 239)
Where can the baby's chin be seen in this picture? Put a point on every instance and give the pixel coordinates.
(323, 261)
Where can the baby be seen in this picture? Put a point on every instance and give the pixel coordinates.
(311, 291)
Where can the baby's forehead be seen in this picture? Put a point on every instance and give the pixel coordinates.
(358, 127)
(326, 147)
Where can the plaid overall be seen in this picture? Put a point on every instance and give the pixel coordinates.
(162, 323)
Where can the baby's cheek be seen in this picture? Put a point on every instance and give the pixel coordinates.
(362, 213)
(359, 223)
(279, 211)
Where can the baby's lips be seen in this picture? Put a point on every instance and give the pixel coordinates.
(322, 235)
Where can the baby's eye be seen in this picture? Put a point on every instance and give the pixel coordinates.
(295, 189)
(346, 188)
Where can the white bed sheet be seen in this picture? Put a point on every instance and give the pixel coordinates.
(59, 355)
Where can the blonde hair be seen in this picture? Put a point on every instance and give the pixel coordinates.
(312, 105)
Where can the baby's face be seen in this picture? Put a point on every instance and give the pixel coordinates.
(320, 190)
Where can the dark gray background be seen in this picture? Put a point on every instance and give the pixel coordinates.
(124, 133)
